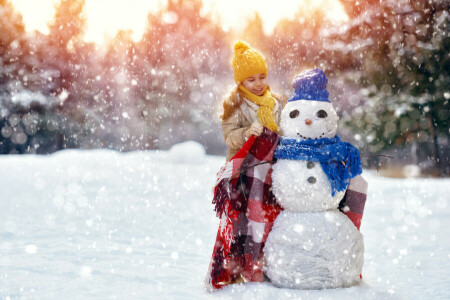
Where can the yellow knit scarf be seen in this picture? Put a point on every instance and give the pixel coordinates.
(266, 103)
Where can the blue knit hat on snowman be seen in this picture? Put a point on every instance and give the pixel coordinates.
(310, 85)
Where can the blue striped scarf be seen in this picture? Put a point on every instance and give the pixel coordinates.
(339, 160)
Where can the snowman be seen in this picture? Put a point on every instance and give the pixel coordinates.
(313, 245)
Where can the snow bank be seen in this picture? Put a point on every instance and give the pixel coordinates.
(189, 152)
(100, 224)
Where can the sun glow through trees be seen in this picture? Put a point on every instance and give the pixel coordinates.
(106, 17)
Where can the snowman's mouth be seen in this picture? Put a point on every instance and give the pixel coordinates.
(309, 138)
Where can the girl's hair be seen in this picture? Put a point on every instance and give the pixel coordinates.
(231, 102)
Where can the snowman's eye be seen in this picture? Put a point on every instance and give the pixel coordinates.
(294, 114)
(322, 114)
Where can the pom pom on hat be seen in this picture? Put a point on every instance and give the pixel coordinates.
(241, 46)
(247, 61)
(310, 85)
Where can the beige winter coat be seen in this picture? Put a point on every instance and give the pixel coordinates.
(234, 127)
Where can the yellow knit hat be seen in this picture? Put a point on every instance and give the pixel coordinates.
(247, 61)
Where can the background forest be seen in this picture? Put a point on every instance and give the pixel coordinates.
(388, 70)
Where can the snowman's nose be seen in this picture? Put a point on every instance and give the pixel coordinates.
(308, 122)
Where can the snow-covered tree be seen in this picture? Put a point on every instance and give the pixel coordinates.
(25, 91)
(185, 58)
(400, 52)
(295, 45)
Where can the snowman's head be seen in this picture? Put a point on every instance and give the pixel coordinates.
(309, 120)
(309, 114)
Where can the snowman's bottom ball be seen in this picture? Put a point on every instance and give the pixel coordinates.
(314, 251)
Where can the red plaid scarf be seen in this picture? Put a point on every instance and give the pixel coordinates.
(247, 209)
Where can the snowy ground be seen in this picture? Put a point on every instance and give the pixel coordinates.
(100, 224)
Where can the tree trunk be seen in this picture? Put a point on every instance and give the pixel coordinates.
(435, 147)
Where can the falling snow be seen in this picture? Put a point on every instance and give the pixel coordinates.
(115, 224)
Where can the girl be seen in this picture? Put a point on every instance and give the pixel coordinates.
(248, 108)
(250, 105)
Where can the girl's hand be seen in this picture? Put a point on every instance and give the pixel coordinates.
(255, 129)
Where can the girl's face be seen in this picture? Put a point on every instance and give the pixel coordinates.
(256, 84)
